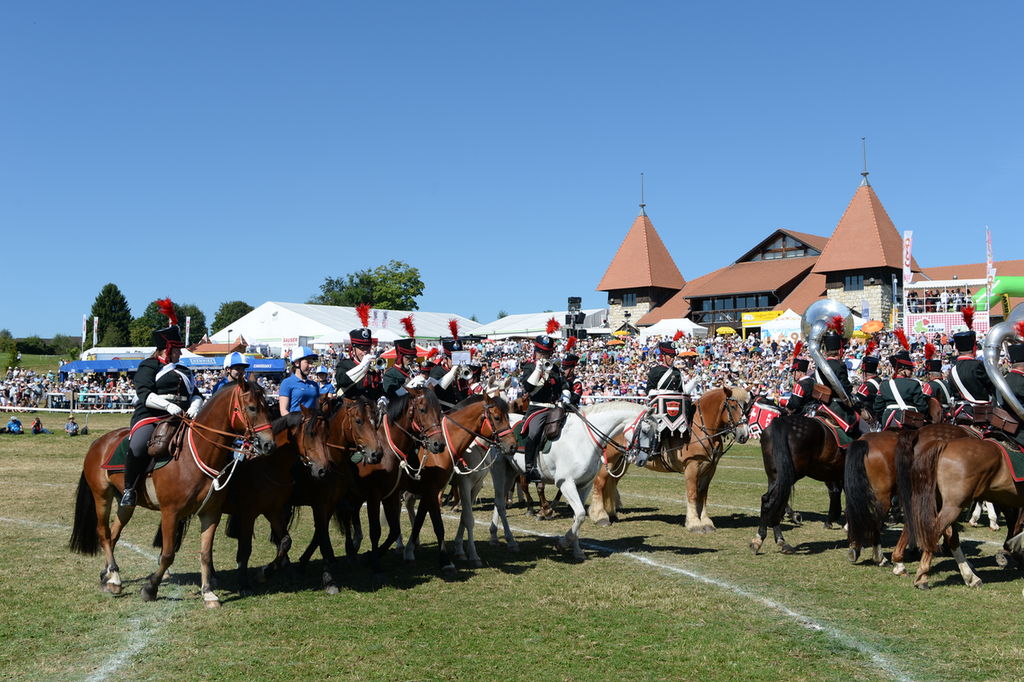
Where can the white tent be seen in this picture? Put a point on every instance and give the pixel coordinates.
(532, 324)
(669, 326)
(272, 322)
(786, 327)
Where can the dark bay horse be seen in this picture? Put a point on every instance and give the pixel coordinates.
(353, 430)
(792, 447)
(262, 486)
(945, 477)
(195, 483)
(411, 421)
(472, 429)
(720, 413)
(871, 484)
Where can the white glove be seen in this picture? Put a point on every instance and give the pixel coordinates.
(416, 382)
(357, 373)
(566, 396)
(194, 407)
(690, 385)
(449, 377)
(537, 377)
(157, 403)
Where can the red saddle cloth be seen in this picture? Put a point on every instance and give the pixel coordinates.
(761, 415)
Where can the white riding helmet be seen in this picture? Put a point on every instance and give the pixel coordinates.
(302, 352)
(322, 369)
(236, 358)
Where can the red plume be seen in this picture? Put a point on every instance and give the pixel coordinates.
(902, 336)
(837, 325)
(553, 326)
(363, 311)
(570, 343)
(797, 348)
(472, 352)
(167, 308)
(968, 313)
(453, 325)
(406, 321)
(872, 347)
(929, 351)
(432, 353)
(678, 335)
(1019, 328)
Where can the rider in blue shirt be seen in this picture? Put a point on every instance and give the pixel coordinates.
(323, 379)
(235, 365)
(298, 389)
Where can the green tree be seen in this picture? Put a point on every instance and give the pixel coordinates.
(394, 286)
(501, 314)
(229, 313)
(64, 346)
(142, 327)
(32, 345)
(9, 348)
(115, 316)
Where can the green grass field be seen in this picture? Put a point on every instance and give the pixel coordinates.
(652, 602)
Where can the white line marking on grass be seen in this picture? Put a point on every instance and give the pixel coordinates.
(141, 633)
(877, 659)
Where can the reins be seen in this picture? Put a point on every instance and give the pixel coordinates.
(492, 442)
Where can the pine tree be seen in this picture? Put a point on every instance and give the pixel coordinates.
(115, 316)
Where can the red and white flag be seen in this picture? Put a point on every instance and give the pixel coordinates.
(908, 241)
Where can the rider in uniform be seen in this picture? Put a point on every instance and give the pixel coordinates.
(901, 388)
(404, 368)
(450, 389)
(164, 389)
(357, 375)
(968, 380)
(844, 416)
(868, 389)
(569, 363)
(664, 377)
(234, 370)
(544, 389)
(936, 388)
(1015, 380)
(802, 395)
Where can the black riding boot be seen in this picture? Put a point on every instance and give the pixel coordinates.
(532, 473)
(134, 471)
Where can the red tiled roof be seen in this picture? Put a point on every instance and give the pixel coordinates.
(1007, 268)
(675, 307)
(812, 240)
(864, 238)
(238, 345)
(753, 276)
(642, 261)
(806, 293)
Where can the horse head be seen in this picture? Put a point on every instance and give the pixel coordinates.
(495, 418)
(732, 416)
(249, 415)
(424, 414)
(360, 429)
(311, 439)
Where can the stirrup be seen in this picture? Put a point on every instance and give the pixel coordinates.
(129, 498)
(533, 475)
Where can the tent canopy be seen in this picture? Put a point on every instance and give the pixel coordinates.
(668, 327)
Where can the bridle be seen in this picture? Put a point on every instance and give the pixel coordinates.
(707, 441)
(248, 430)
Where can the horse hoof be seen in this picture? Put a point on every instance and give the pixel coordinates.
(1002, 558)
(899, 569)
(380, 578)
(787, 548)
(922, 586)
(710, 529)
(755, 547)
(148, 592)
(604, 523)
(852, 555)
(972, 524)
(493, 542)
(111, 588)
(449, 570)
(332, 589)
(530, 513)
(476, 563)
(561, 544)
(975, 583)
(212, 603)
(797, 519)
(884, 563)
(827, 525)
(580, 557)
(514, 548)
(246, 592)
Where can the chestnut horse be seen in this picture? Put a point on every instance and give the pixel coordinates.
(953, 473)
(871, 485)
(353, 434)
(194, 483)
(720, 413)
(411, 421)
(263, 486)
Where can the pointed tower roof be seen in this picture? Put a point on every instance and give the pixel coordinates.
(642, 261)
(864, 238)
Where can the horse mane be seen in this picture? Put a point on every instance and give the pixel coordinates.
(397, 406)
(474, 399)
(290, 420)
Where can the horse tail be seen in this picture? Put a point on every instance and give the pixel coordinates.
(906, 443)
(233, 528)
(778, 433)
(920, 523)
(83, 533)
(179, 535)
(863, 510)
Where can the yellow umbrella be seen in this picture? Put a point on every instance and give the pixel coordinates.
(859, 334)
(725, 330)
(621, 332)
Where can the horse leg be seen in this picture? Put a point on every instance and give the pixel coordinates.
(835, 504)
(410, 507)
(690, 469)
(373, 556)
(993, 517)
(524, 489)
(501, 477)
(762, 528)
(598, 507)
(975, 515)
(574, 498)
(246, 522)
(467, 491)
(110, 576)
(966, 570)
(209, 521)
(703, 484)
(169, 526)
(1012, 516)
(946, 516)
(897, 554)
(322, 534)
(414, 535)
(279, 525)
(430, 506)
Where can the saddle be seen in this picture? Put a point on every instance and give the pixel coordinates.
(672, 412)
(553, 424)
(166, 439)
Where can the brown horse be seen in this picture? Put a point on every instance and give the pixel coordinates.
(953, 473)
(871, 484)
(792, 447)
(194, 483)
(411, 421)
(353, 431)
(720, 413)
(263, 486)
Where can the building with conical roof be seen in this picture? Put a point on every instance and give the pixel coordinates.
(641, 277)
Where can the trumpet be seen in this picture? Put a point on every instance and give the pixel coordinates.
(380, 364)
(465, 372)
(546, 366)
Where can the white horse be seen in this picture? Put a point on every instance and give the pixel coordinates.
(572, 464)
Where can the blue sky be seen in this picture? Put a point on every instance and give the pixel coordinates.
(219, 151)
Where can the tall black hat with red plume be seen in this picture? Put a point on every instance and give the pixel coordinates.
(966, 341)
(799, 364)
(1015, 351)
(362, 337)
(869, 365)
(901, 360)
(407, 346)
(169, 336)
(454, 344)
(570, 359)
(546, 343)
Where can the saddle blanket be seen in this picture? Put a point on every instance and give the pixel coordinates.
(116, 459)
(761, 415)
(842, 439)
(1014, 459)
(517, 431)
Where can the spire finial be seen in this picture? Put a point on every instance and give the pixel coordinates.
(642, 204)
(864, 148)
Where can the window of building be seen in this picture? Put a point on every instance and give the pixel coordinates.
(628, 300)
(854, 283)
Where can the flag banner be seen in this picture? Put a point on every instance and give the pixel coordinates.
(95, 328)
(188, 326)
(908, 241)
(85, 321)
(990, 272)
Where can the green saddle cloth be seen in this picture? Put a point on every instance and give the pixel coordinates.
(842, 438)
(115, 462)
(517, 431)
(1014, 457)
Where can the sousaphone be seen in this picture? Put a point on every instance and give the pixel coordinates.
(994, 340)
(814, 323)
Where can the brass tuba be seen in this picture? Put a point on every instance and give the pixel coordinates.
(994, 340)
(813, 325)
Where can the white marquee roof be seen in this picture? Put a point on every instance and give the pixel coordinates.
(532, 324)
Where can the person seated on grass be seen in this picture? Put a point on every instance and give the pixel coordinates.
(37, 427)
(14, 426)
(71, 428)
